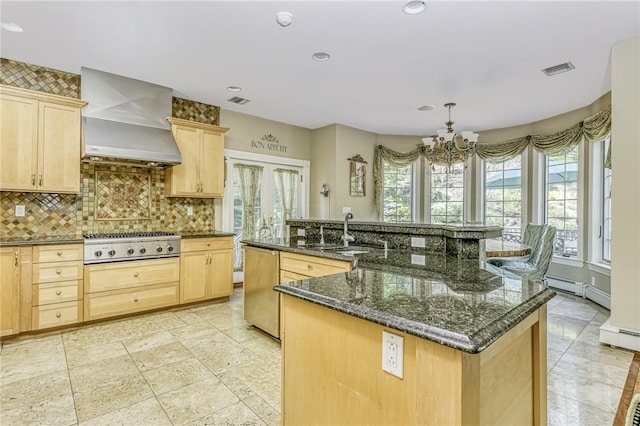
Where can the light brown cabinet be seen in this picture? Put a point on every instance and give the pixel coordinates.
(56, 293)
(206, 268)
(112, 289)
(9, 291)
(39, 141)
(202, 171)
(294, 266)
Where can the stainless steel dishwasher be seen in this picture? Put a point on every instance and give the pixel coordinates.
(261, 302)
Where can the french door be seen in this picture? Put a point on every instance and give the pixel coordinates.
(262, 192)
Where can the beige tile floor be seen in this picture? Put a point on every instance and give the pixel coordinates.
(204, 365)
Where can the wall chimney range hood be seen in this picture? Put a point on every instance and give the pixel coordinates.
(125, 121)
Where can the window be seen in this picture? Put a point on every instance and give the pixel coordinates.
(503, 197)
(606, 210)
(562, 201)
(397, 193)
(447, 194)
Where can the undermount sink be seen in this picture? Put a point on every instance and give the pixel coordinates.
(350, 252)
(339, 248)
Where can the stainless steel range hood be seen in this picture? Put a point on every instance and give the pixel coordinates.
(125, 121)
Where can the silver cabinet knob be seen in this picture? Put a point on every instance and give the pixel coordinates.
(135, 299)
(58, 315)
(135, 274)
(58, 292)
(59, 253)
(58, 271)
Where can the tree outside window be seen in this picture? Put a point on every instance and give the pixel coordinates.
(447, 194)
(503, 197)
(562, 201)
(397, 193)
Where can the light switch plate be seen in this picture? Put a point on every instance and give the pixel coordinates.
(393, 354)
(302, 232)
(418, 259)
(20, 212)
(189, 211)
(418, 242)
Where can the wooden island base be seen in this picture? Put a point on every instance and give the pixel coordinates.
(332, 374)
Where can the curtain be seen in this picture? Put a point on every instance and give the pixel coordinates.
(287, 187)
(248, 178)
(594, 128)
(398, 159)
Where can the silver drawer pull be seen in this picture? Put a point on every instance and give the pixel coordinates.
(58, 315)
(309, 266)
(135, 274)
(58, 271)
(59, 253)
(135, 299)
(58, 292)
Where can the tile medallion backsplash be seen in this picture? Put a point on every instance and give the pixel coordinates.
(45, 215)
(122, 195)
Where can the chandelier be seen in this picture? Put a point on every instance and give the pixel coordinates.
(448, 147)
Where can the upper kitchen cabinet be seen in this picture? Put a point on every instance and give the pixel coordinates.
(202, 172)
(39, 141)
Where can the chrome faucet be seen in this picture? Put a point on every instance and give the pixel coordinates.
(346, 237)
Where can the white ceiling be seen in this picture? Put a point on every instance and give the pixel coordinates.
(485, 56)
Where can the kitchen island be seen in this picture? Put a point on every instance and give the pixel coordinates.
(473, 342)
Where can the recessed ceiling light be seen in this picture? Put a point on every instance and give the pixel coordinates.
(11, 26)
(413, 7)
(426, 108)
(321, 56)
(284, 19)
(234, 88)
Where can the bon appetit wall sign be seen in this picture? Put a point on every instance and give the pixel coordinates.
(269, 143)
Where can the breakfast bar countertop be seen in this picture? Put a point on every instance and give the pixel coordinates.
(463, 304)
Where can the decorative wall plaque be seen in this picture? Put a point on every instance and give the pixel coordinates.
(357, 176)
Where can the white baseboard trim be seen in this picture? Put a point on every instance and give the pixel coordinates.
(615, 336)
(581, 289)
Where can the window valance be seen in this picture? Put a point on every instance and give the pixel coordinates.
(593, 128)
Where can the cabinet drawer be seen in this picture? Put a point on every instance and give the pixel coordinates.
(288, 276)
(206, 244)
(56, 314)
(45, 294)
(312, 266)
(57, 272)
(125, 275)
(119, 302)
(57, 253)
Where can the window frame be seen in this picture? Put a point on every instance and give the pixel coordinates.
(466, 193)
(414, 192)
(524, 191)
(598, 152)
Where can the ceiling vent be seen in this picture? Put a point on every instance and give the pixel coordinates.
(238, 100)
(557, 69)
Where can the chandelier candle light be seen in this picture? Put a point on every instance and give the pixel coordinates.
(449, 148)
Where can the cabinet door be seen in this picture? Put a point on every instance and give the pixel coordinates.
(58, 148)
(221, 277)
(9, 291)
(182, 180)
(194, 268)
(18, 143)
(212, 168)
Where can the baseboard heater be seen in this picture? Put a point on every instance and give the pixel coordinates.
(581, 289)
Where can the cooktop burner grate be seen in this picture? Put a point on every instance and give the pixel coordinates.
(90, 236)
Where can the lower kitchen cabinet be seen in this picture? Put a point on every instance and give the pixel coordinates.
(294, 266)
(206, 268)
(112, 289)
(9, 290)
(57, 283)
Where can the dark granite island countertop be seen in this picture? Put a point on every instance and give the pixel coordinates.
(463, 304)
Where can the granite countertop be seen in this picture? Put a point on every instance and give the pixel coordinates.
(463, 304)
(20, 241)
(208, 234)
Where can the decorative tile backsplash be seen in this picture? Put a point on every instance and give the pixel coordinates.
(195, 111)
(33, 77)
(45, 215)
(122, 195)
